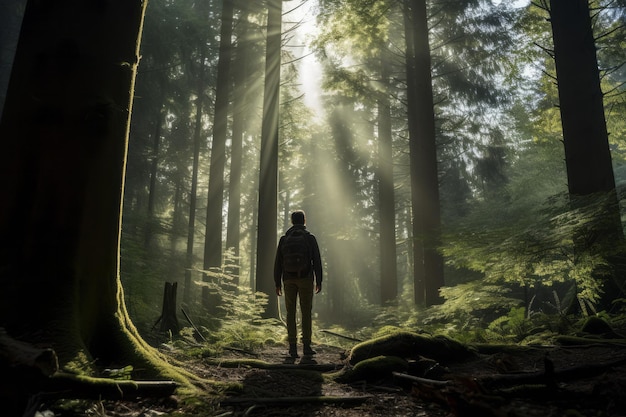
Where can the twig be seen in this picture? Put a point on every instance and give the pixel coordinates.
(192, 325)
(340, 335)
(421, 380)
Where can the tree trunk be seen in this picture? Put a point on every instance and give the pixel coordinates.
(215, 202)
(587, 154)
(169, 319)
(268, 176)
(154, 165)
(428, 262)
(240, 116)
(585, 137)
(64, 138)
(386, 198)
(193, 197)
(215, 199)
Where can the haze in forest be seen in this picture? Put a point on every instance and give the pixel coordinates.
(427, 150)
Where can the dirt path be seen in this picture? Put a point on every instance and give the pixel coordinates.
(586, 388)
(375, 400)
(486, 386)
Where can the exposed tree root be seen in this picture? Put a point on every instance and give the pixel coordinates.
(259, 364)
(323, 399)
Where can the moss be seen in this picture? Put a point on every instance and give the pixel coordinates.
(372, 369)
(410, 345)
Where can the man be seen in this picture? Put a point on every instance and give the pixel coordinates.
(297, 265)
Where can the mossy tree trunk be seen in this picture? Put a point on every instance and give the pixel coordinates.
(64, 137)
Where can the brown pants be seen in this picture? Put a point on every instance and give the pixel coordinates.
(299, 288)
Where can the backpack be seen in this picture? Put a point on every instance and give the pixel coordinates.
(296, 253)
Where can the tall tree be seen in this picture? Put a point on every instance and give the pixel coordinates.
(428, 262)
(386, 194)
(585, 137)
(268, 174)
(193, 193)
(64, 137)
(215, 202)
(240, 109)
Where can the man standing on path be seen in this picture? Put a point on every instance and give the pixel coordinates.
(297, 265)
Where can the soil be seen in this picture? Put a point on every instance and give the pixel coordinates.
(588, 380)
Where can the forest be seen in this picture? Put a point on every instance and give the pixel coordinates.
(462, 165)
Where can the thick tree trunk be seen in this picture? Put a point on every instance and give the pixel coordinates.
(428, 262)
(64, 138)
(585, 137)
(587, 155)
(268, 177)
(64, 135)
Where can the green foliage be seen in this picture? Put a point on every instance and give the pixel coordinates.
(561, 244)
(239, 322)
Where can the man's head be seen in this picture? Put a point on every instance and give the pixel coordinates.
(298, 217)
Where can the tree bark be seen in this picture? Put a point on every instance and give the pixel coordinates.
(386, 195)
(240, 124)
(168, 319)
(587, 153)
(268, 176)
(154, 165)
(428, 262)
(585, 136)
(193, 193)
(64, 138)
(215, 201)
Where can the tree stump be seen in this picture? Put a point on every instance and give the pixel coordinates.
(168, 319)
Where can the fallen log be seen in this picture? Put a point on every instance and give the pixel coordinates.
(72, 386)
(18, 354)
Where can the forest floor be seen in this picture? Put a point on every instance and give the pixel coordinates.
(547, 381)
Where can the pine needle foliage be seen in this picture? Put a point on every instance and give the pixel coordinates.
(546, 251)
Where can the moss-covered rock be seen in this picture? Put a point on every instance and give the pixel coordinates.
(373, 369)
(410, 346)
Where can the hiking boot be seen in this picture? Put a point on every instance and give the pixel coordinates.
(293, 350)
(308, 351)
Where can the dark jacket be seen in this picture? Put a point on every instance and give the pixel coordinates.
(316, 261)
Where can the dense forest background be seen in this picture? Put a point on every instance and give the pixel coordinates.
(501, 237)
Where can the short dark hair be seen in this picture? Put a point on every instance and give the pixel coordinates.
(298, 217)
